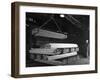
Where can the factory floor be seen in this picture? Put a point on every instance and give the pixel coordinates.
(79, 60)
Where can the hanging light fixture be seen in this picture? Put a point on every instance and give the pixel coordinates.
(62, 15)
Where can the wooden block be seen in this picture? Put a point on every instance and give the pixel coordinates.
(65, 51)
(44, 57)
(38, 56)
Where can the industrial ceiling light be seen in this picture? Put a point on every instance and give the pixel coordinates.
(62, 15)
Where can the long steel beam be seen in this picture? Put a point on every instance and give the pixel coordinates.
(50, 34)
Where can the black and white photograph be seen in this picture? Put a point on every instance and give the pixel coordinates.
(57, 39)
(52, 39)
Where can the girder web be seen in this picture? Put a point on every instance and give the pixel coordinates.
(53, 19)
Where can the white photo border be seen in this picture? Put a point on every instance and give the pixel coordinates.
(54, 69)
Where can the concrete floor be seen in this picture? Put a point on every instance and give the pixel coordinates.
(77, 60)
